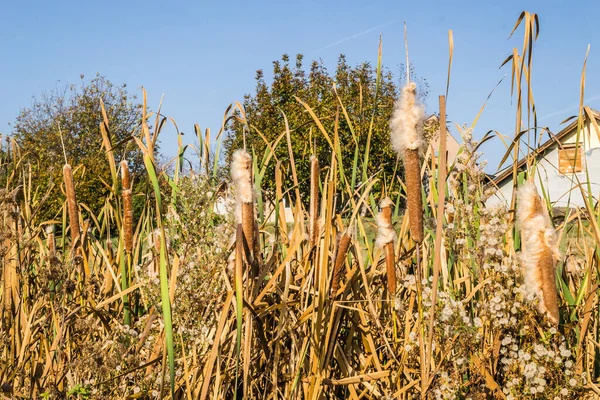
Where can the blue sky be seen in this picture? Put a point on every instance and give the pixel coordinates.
(203, 55)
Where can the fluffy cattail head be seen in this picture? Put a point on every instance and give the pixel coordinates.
(539, 250)
(241, 175)
(406, 136)
(406, 123)
(385, 232)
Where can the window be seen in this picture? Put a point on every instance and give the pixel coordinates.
(570, 158)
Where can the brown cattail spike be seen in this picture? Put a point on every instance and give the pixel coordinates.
(406, 136)
(539, 251)
(313, 228)
(72, 207)
(128, 220)
(385, 239)
(338, 267)
(412, 170)
(127, 206)
(125, 175)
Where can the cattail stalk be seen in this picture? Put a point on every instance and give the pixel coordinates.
(127, 238)
(385, 239)
(539, 251)
(241, 174)
(72, 207)
(338, 266)
(9, 264)
(127, 207)
(313, 227)
(407, 140)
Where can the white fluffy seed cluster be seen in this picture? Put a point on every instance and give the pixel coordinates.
(385, 231)
(241, 167)
(538, 237)
(406, 123)
(533, 367)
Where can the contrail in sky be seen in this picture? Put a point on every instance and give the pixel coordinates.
(586, 101)
(355, 36)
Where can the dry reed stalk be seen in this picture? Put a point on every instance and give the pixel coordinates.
(127, 207)
(241, 174)
(313, 228)
(7, 272)
(539, 253)
(338, 266)
(72, 207)
(385, 239)
(50, 241)
(407, 140)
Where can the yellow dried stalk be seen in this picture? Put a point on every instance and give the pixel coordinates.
(313, 227)
(72, 207)
(8, 269)
(539, 251)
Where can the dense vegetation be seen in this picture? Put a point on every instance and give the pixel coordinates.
(181, 301)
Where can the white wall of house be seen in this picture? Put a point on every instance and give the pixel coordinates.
(563, 189)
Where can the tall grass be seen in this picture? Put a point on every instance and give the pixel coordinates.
(344, 301)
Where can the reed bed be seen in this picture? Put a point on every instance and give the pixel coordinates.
(189, 303)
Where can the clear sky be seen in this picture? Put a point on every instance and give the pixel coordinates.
(203, 54)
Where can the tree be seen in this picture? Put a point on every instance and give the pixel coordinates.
(72, 116)
(356, 88)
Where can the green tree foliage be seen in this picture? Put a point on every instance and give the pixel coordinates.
(74, 113)
(356, 89)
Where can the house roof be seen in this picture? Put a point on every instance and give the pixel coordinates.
(507, 172)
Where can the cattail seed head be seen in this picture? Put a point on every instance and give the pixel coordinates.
(539, 250)
(72, 207)
(50, 241)
(406, 123)
(125, 175)
(386, 236)
(338, 267)
(412, 172)
(128, 219)
(385, 232)
(241, 174)
(406, 134)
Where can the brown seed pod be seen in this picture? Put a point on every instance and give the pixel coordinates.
(72, 207)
